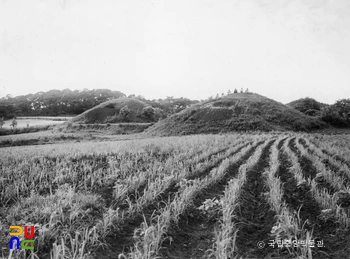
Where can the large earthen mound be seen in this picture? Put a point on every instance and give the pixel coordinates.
(235, 112)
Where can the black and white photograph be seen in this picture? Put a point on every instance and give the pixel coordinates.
(174, 129)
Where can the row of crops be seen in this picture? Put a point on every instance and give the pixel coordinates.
(208, 196)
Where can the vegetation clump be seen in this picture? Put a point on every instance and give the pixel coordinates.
(337, 114)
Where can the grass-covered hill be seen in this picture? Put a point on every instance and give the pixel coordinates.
(238, 111)
(118, 110)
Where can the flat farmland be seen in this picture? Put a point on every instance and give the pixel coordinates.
(263, 195)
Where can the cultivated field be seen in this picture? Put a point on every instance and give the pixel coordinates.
(201, 196)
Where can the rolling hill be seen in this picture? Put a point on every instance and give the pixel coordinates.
(235, 112)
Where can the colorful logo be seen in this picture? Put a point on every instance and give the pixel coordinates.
(19, 233)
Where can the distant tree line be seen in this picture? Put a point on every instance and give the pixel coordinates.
(54, 102)
(68, 102)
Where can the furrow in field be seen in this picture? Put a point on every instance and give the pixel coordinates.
(300, 195)
(335, 153)
(308, 169)
(224, 245)
(297, 196)
(66, 192)
(207, 161)
(335, 166)
(150, 244)
(133, 185)
(253, 215)
(323, 176)
(200, 170)
(195, 230)
(288, 226)
(122, 239)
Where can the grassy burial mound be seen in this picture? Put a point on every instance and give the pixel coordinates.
(238, 111)
(118, 110)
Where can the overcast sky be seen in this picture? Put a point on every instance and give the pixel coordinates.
(282, 49)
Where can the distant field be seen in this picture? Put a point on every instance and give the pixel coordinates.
(35, 121)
